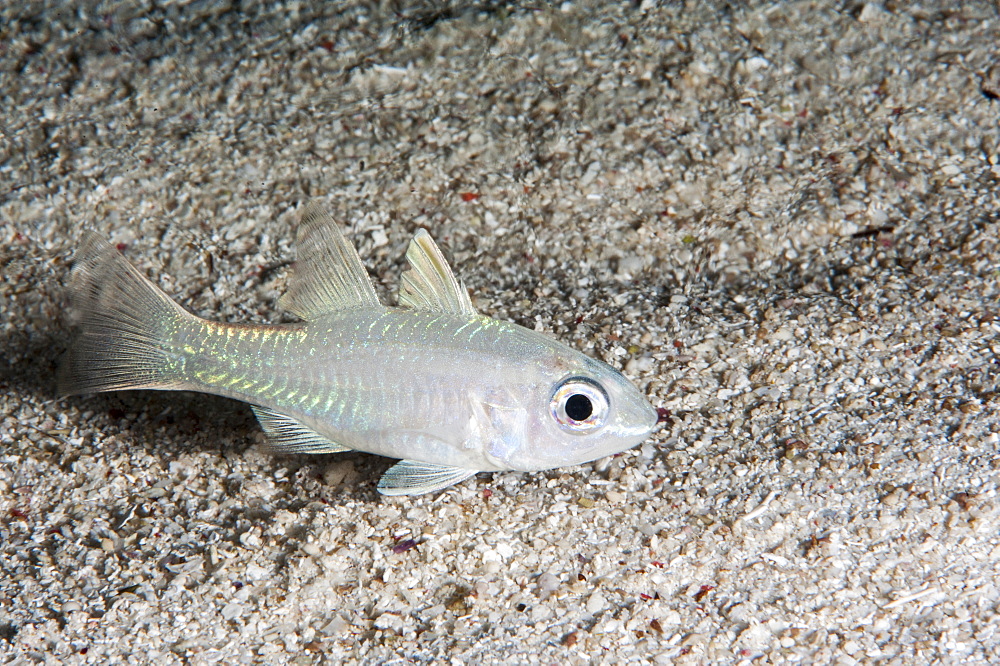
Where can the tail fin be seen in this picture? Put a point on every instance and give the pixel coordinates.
(126, 326)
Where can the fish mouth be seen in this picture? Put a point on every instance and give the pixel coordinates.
(651, 423)
(640, 430)
(636, 432)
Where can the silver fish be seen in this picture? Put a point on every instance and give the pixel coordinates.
(449, 391)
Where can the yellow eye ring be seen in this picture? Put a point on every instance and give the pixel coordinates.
(579, 405)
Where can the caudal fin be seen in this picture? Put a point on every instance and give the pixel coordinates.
(126, 326)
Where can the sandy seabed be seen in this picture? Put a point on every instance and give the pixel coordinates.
(779, 219)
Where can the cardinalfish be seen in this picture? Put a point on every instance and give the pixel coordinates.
(449, 391)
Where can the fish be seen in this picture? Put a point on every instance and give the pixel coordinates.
(432, 382)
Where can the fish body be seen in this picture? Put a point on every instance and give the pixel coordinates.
(450, 391)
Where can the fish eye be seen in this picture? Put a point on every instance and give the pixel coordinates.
(579, 405)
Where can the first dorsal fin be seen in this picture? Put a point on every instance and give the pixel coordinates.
(429, 283)
(328, 274)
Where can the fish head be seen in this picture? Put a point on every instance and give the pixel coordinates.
(576, 410)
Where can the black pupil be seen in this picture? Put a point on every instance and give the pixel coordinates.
(578, 407)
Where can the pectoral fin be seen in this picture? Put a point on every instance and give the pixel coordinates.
(287, 435)
(410, 477)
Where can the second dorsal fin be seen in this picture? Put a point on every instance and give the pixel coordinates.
(429, 283)
(328, 273)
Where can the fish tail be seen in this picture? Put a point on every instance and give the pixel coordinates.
(127, 327)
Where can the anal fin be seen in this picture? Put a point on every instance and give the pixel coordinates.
(287, 435)
(410, 477)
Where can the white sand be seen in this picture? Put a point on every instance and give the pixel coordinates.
(671, 189)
